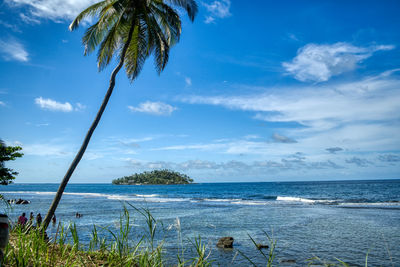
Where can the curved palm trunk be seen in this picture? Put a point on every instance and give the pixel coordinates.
(85, 143)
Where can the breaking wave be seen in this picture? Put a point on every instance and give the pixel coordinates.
(258, 199)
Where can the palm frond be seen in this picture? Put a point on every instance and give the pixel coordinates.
(168, 19)
(91, 11)
(137, 51)
(189, 5)
(110, 43)
(159, 42)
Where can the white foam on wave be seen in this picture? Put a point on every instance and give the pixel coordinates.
(151, 195)
(53, 193)
(249, 202)
(363, 204)
(160, 199)
(146, 199)
(28, 192)
(221, 199)
(295, 199)
(88, 194)
(122, 197)
(135, 197)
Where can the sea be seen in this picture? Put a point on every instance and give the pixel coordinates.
(353, 221)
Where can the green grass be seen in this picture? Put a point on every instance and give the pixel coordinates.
(29, 247)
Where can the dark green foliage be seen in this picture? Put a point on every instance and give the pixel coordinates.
(154, 27)
(155, 177)
(8, 153)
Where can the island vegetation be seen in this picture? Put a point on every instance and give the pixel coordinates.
(154, 177)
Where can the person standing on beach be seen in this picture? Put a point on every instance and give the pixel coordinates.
(38, 220)
(54, 219)
(22, 219)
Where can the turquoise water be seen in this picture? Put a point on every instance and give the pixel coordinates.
(343, 219)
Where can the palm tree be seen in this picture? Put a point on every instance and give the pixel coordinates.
(131, 31)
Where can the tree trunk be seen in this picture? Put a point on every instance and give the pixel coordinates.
(85, 143)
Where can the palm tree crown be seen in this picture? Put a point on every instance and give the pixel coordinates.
(152, 25)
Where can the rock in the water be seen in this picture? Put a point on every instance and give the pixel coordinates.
(261, 246)
(18, 201)
(225, 242)
(289, 261)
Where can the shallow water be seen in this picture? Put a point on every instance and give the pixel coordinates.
(343, 219)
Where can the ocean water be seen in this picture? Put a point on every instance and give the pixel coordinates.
(342, 219)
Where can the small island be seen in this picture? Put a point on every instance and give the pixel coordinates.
(154, 177)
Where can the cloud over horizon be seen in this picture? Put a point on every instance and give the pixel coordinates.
(333, 150)
(235, 165)
(322, 113)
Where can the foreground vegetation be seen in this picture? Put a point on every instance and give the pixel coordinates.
(154, 177)
(29, 247)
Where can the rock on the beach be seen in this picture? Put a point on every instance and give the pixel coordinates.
(225, 242)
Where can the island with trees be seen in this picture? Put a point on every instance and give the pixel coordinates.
(154, 177)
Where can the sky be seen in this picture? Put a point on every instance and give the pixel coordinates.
(255, 91)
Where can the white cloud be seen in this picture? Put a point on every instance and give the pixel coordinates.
(2, 104)
(93, 155)
(362, 115)
(52, 9)
(29, 20)
(282, 139)
(389, 158)
(53, 105)
(42, 124)
(217, 9)
(333, 150)
(154, 108)
(46, 150)
(13, 27)
(320, 62)
(132, 142)
(188, 81)
(251, 137)
(13, 50)
(359, 162)
(50, 104)
(79, 107)
(292, 36)
(209, 20)
(204, 147)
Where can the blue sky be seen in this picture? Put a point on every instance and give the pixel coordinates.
(254, 91)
